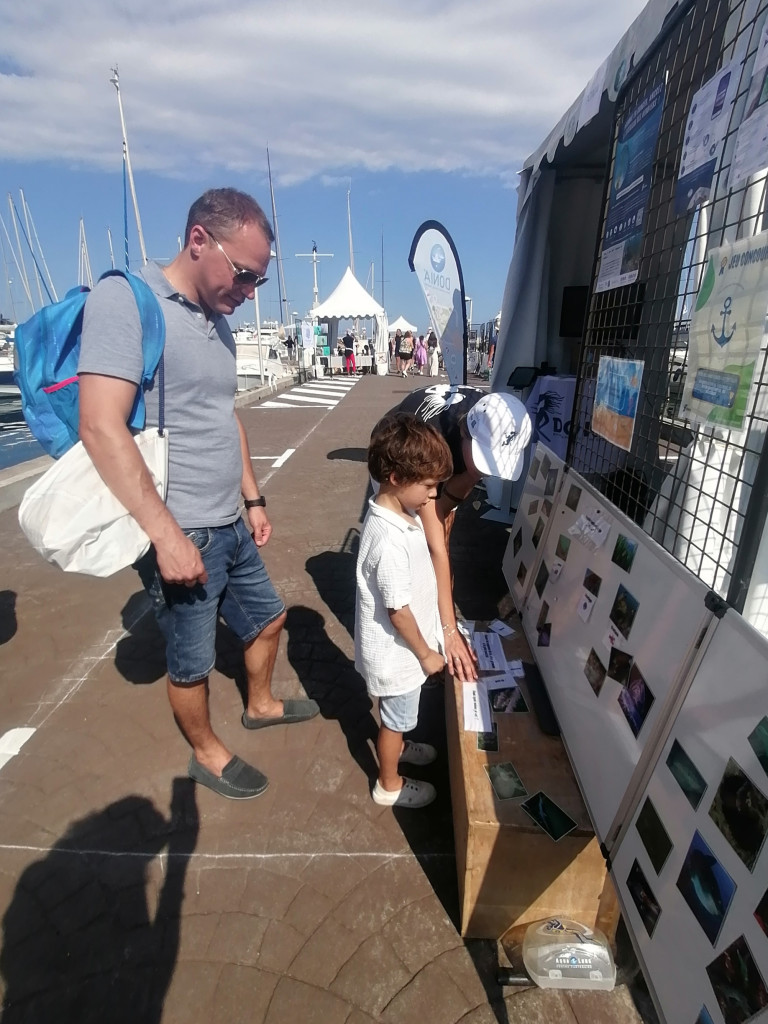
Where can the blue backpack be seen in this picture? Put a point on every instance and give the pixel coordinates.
(47, 349)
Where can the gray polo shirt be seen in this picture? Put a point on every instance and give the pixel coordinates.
(205, 467)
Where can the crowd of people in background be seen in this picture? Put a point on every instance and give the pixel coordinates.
(412, 354)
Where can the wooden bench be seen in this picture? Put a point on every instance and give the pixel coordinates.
(509, 870)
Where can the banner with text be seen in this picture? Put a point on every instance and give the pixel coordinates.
(434, 259)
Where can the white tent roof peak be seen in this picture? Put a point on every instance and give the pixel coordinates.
(401, 324)
(348, 299)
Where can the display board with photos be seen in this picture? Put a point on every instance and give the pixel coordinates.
(612, 620)
(691, 870)
(528, 534)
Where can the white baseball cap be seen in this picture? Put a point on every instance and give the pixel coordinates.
(500, 429)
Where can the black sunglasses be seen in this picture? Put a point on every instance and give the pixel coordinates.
(241, 276)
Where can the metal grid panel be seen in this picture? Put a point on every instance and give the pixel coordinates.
(689, 487)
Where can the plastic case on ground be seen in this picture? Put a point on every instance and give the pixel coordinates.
(560, 953)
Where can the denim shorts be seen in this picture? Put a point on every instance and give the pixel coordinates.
(400, 711)
(238, 589)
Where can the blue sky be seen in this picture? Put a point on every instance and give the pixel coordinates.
(421, 110)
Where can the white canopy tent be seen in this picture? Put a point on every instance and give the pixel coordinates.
(401, 324)
(350, 300)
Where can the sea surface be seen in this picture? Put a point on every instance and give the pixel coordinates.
(17, 444)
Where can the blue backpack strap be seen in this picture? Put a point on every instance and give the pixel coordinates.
(152, 343)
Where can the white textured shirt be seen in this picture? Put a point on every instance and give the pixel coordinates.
(394, 569)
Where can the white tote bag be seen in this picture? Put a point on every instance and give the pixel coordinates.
(72, 518)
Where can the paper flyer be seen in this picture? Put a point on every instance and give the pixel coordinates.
(586, 604)
(497, 626)
(616, 399)
(490, 653)
(477, 710)
(591, 530)
(499, 682)
(726, 333)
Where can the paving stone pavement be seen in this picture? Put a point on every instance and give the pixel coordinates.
(129, 895)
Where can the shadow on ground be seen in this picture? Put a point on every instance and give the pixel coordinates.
(8, 624)
(329, 677)
(349, 454)
(79, 943)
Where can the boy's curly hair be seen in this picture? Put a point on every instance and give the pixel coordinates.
(402, 444)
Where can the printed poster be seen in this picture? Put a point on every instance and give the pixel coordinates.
(749, 154)
(726, 333)
(616, 397)
(630, 189)
(705, 132)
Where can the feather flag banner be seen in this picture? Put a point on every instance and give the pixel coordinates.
(434, 259)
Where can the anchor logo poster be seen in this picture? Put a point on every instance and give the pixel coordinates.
(726, 333)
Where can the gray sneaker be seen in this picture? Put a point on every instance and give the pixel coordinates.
(413, 794)
(417, 753)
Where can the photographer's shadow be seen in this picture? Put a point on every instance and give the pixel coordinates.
(80, 943)
(330, 678)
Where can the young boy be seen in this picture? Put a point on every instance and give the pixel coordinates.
(397, 622)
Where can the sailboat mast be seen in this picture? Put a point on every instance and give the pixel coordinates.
(19, 267)
(349, 229)
(22, 268)
(7, 275)
(115, 80)
(50, 288)
(283, 301)
(29, 243)
(85, 277)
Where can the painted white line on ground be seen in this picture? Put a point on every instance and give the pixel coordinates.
(11, 743)
(81, 669)
(290, 397)
(309, 390)
(232, 857)
(276, 460)
(283, 458)
(267, 476)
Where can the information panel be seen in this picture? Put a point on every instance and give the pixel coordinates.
(691, 871)
(612, 620)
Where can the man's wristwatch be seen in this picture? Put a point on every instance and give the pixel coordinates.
(260, 502)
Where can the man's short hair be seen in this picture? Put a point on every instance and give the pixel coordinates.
(411, 449)
(224, 211)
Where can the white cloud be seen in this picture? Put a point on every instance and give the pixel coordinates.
(469, 87)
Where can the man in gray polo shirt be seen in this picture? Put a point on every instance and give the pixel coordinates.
(204, 560)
